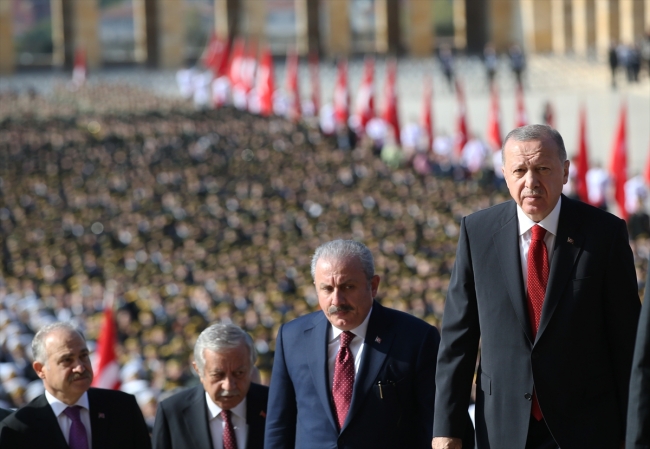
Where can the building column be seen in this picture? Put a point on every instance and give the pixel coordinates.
(339, 27)
(75, 25)
(307, 27)
(460, 24)
(226, 18)
(503, 18)
(562, 26)
(387, 26)
(159, 33)
(536, 18)
(584, 26)
(7, 53)
(254, 16)
(632, 18)
(421, 37)
(607, 26)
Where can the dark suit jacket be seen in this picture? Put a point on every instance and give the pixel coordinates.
(115, 419)
(182, 420)
(400, 351)
(638, 411)
(581, 358)
(4, 413)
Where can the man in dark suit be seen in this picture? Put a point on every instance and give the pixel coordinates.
(70, 414)
(638, 412)
(548, 286)
(356, 374)
(226, 406)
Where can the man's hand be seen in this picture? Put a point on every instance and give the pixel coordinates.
(446, 443)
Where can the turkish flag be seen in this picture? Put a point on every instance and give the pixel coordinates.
(646, 173)
(365, 101)
(80, 68)
(461, 123)
(265, 86)
(314, 77)
(618, 163)
(582, 160)
(215, 55)
(107, 370)
(390, 115)
(521, 116)
(494, 122)
(293, 90)
(341, 97)
(426, 118)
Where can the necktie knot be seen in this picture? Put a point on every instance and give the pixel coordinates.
(225, 414)
(73, 413)
(346, 338)
(538, 232)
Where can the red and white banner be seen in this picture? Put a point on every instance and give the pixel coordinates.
(107, 370)
(293, 91)
(341, 96)
(265, 86)
(365, 101)
(461, 137)
(426, 118)
(521, 118)
(582, 159)
(618, 162)
(390, 114)
(494, 140)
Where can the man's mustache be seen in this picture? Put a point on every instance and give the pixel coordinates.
(84, 375)
(336, 309)
(535, 192)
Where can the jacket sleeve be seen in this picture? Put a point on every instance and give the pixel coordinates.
(622, 315)
(161, 435)
(281, 418)
(458, 347)
(140, 432)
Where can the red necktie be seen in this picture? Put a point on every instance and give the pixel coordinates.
(229, 440)
(343, 378)
(537, 280)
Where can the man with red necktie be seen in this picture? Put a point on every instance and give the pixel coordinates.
(548, 286)
(356, 374)
(227, 411)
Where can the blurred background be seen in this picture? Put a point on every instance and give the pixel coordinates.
(133, 174)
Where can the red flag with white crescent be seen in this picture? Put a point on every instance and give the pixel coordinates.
(461, 137)
(522, 117)
(494, 122)
(582, 161)
(426, 118)
(292, 86)
(365, 101)
(265, 86)
(390, 114)
(341, 96)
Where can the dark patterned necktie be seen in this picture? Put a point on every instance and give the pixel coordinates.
(537, 281)
(78, 438)
(229, 440)
(343, 378)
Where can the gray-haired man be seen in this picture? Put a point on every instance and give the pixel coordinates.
(227, 410)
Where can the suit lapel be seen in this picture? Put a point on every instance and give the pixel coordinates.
(568, 245)
(48, 426)
(255, 417)
(316, 337)
(506, 244)
(195, 417)
(379, 338)
(98, 420)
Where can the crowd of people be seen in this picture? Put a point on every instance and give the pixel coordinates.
(194, 217)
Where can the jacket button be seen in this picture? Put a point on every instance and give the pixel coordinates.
(528, 396)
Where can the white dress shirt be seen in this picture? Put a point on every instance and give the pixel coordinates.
(526, 234)
(356, 346)
(238, 418)
(59, 407)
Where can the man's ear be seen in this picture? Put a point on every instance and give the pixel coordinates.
(196, 368)
(39, 368)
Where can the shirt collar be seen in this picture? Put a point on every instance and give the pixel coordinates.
(549, 222)
(58, 407)
(214, 410)
(359, 331)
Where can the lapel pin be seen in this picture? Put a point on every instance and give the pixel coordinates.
(570, 240)
(377, 340)
(263, 414)
(101, 415)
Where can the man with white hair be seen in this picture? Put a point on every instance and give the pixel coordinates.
(70, 414)
(227, 410)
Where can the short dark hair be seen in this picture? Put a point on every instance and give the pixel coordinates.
(536, 132)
